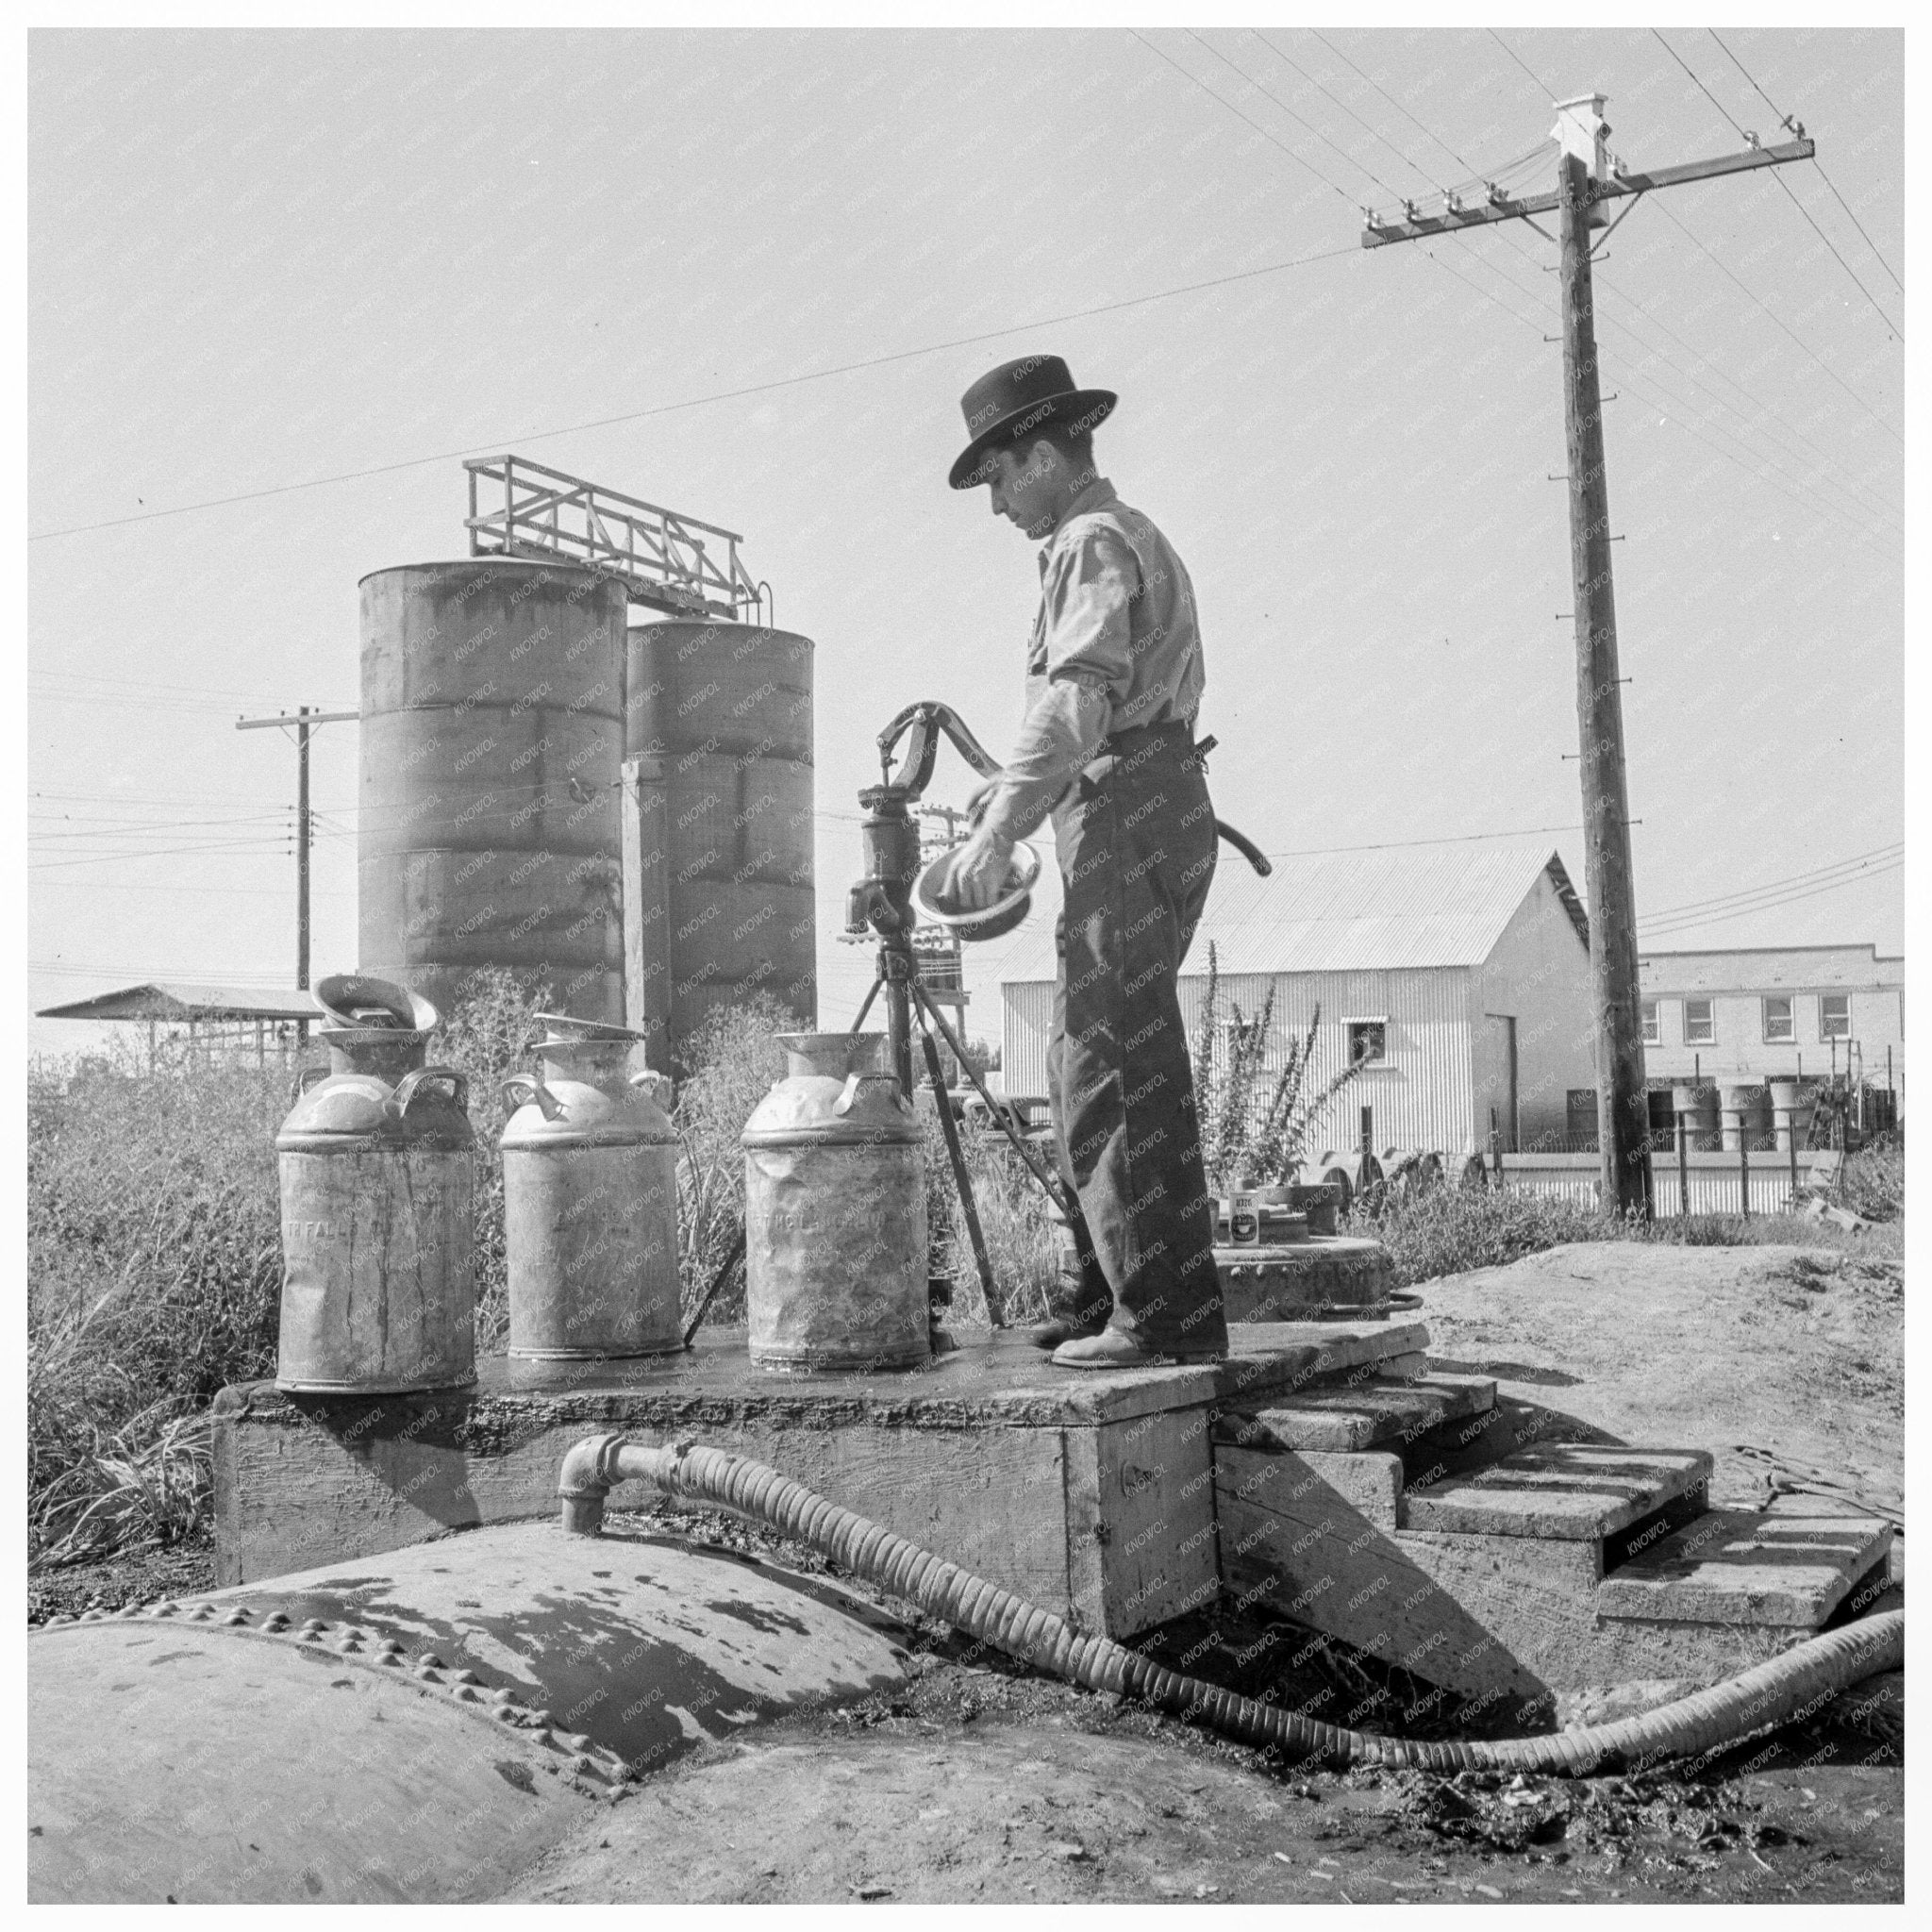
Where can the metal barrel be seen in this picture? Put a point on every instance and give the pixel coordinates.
(720, 717)
(590, 1183)
(493, 731)
(1698, 1106)
(378, 1186)
(1746, 1110)
(834, 1212)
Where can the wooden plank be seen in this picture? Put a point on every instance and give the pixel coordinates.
(1366, 1484)
(1360, 1415)
(1569, 1491)
(1160, 1558)
(1749, 1567)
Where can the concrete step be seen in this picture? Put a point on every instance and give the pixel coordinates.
(1562, 1491)
(1791, 1565)
(1360, 1414)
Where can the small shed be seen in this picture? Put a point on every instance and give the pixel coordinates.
(1457, 975)
(213, 1015)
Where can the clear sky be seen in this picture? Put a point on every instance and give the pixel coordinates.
(280, 283)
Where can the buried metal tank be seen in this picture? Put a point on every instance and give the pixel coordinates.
(416, 1727)
(377, 1187)
(719, 716)
(834, 1212)
(492, 733)
(590, 1187)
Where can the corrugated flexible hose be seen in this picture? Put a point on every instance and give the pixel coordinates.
(1792, 1685)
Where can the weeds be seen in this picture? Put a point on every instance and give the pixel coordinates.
(1435, 1231)
(154, 1276)
(1244, 1134)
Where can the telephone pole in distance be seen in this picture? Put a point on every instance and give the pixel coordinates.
(1586, 179)
(305, 720)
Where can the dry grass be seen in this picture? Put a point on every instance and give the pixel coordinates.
(1439, 1231)
(154, 1274)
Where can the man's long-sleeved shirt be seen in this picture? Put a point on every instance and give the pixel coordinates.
(1115, 644)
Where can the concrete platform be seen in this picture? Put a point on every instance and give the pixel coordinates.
(1283, 1281)
(1090, 1493)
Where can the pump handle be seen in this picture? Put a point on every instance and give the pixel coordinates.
(524, 1088)
(408, 1086)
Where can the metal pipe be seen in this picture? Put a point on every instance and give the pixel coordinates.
(1758, 1699)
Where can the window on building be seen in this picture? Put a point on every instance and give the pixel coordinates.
(1652, 1028)
(1778, 1017)
(1700, 1029)
(1368, 1041)
(1834, 1016)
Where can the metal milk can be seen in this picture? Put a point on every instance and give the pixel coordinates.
(834, 1212)
(378, 1292)
(590, 1183)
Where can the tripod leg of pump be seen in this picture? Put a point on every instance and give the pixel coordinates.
(867, 1006)
(1055, 1191)
(956, 1154)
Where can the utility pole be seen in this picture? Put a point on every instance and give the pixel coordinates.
(1586, 178)
(305, 720)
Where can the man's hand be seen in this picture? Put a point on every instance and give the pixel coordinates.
(978, 872)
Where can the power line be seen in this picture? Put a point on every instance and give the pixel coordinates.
(1664, 209)
(1542, 85)
(1406, 844)
(1853, 524)
(1726, 267)
(1781, 182)
(716, 397)
(1793, 898)
(1689, 428)
(1785, 121)
(1292, 115)
(1239, 115)
(1375, 133)
(1858, 858)
(1805, 479)
(275, 842)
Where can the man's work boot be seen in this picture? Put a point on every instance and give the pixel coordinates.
(1116, 1348)
(1080, 1292)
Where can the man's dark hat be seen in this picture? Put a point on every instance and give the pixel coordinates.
(1018, 399)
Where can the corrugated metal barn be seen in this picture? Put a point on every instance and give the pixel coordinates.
(1459, 974)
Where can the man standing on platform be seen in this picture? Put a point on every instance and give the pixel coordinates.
(1113, 682)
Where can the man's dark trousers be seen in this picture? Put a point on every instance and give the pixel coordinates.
(1137, 848)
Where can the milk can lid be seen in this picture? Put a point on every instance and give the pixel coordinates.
(353, 1001)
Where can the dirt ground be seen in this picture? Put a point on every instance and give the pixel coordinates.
(1783, 1362)
(979, 1782)
(980, 1785)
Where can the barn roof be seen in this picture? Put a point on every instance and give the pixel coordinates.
(1356, 911)
(179, 1001)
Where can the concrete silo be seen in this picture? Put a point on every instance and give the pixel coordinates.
(720, 715)
(492, 732)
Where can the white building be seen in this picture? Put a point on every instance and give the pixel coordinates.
(1460, 974)
(1775, 1010)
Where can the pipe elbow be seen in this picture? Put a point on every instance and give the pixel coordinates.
(592, 1466)
(584, 1480)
